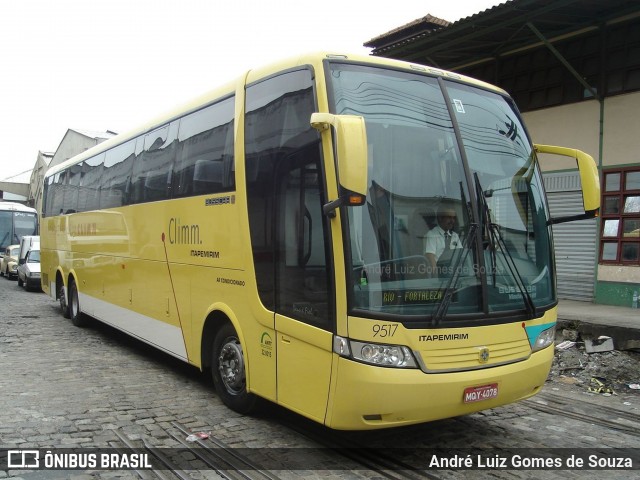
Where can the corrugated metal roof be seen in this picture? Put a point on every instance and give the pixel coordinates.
(498, 30)
(483, 12)
(94, 133)
(434, 23)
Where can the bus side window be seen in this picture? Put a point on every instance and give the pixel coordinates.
(207, 177)
(204, 163)
(152, 169)
(89, 189)
(47, 195)
(117, 171)
(70, 199)
(55, 194)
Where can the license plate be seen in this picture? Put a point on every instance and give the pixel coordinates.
(478, 394)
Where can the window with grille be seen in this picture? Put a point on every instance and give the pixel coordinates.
(620, 226)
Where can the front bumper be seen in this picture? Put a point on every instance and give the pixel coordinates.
(367, 397)
(33, 283)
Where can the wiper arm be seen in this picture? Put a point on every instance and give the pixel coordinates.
(526, 296)
(453, 281)
(495, 237)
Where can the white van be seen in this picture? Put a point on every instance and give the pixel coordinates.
(27, 243)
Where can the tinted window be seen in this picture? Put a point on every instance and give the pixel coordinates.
(152, 169)
(6, 230)
(24, 223)
(285, 195)
(205, 157)
(47, 197)
(56, 194)
(117, 173)
(90, 179)
(70, 189)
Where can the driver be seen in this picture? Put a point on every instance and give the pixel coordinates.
(441, 238)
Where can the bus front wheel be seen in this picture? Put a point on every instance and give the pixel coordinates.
(228, 371)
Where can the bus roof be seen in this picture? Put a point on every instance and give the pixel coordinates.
(15, 207)
(314, 59)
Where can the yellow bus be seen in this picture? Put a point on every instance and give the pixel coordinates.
(282, 232)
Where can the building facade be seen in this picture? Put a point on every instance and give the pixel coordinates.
(28, 187)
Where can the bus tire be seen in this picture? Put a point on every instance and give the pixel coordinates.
(62, 298)
(228, 371)
(77, 317)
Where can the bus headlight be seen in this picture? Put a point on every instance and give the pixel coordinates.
(544, 339)
(375, 353)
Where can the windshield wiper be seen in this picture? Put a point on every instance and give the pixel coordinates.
(453, 281)
(495, 238)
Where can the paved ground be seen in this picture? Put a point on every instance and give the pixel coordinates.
(61, 386)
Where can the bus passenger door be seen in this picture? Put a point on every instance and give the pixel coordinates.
(304, 305)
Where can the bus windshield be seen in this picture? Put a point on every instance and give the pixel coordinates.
(455, 223)
(14, 225)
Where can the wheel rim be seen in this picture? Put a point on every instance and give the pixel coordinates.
(231, 366)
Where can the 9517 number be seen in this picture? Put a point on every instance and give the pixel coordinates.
(384, 330)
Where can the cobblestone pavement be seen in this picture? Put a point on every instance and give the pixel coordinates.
(63, 387)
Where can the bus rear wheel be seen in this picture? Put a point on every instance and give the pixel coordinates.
(62, 298)
(77, 317)
(228, 372)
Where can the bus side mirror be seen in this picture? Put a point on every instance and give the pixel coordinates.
(588, 178)
(350, 149)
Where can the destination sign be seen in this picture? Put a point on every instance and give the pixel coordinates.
(411, 297)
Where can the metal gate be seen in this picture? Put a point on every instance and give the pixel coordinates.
(575, 242)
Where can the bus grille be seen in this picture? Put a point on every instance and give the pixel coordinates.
(472, 358)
